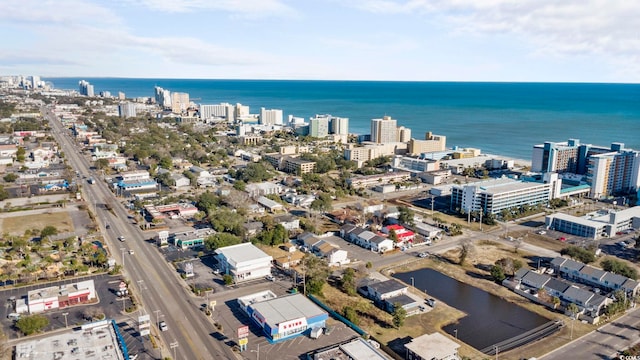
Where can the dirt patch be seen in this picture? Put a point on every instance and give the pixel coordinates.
(18, 224)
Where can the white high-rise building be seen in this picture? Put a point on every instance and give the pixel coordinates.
(85, 88)
(384, 130)
(339, 125)
(271, 116)
(404, 134)
(221, 111)
(163, 97)
(319, 126)
(35, 82)
(241, 111)
(127, 110)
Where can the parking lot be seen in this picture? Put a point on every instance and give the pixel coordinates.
(108, 304)
(228, 313)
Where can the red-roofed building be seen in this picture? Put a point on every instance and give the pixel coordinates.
(404, 236)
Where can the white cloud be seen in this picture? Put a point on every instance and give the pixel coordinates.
(567, 27)
(251, 8)
(63, 12)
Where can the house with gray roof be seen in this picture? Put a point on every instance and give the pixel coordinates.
(535, 280)
(555, 287)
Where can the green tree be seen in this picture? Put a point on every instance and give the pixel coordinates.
(228, 279)
(316, 271)
(10, 177)
(580, 254)
(166, 163)
(399, 315)
(348, 282)
(573, 309)
(497, 273)
(350, 314)
(101, 164)
(20, 154)
(620, 268)
(221, 240)
(322, 203)
(32, 324)
(406, 215)
(48, 230)
(4, 194)
(240, 185)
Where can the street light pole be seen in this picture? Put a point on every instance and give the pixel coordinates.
(174, 345)
(497, 350)
(412, 284)
(455, 331)
(65, 319)
(157, 312)
(122, 250)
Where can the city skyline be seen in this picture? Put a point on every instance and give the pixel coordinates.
(498, 40)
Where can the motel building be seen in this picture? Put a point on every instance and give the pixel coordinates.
(283, 318)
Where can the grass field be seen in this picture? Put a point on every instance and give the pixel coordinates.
(18, 224)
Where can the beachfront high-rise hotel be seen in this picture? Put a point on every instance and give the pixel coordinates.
(384, 130)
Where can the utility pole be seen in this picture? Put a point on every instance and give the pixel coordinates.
(157, 312)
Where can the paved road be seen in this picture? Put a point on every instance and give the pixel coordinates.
(158, 285)
(603, 343)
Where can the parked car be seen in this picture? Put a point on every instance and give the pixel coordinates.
(163, 326)
(623, 244)
(541, 232)
(270, 277)
(423, 254)
(431, 302)
(131, 252)
(562, 238)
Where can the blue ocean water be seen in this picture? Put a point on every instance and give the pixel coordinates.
(499, 118)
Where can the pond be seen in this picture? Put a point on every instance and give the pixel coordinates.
(489, 319)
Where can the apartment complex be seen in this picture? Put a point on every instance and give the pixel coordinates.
(271, 116)
(492, 196)
(595, 224)
(85, 88)
(384, 130)
(608, 170)
(127, 110)
(179, 102)
(431, 143)
(614, 172)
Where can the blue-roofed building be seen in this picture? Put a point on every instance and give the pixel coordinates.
(286, 317)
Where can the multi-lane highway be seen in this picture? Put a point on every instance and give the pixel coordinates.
(161, 291)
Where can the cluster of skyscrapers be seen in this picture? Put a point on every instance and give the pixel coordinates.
(608, 170)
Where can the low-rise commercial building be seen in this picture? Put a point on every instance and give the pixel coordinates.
(432, 347)
(596, 224)
(244, 262)
(285, 317)
(62, 296)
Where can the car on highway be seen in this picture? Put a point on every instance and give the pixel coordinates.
(131, 252)
(423, 255)
(121, 238)
(163, 326)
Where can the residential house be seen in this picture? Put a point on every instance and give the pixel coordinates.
(288, 221)
(252, 228)
(387, 293)
(272, 206)
(263, 188)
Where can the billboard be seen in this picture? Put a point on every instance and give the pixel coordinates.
(243, 332)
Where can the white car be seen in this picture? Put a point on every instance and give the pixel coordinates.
(121, 238)
(163, 326)
(131, 252)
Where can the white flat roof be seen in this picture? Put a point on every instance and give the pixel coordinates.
(578, 220)
(242, 253)
(287, 308)
(433, 346)
(99, 342)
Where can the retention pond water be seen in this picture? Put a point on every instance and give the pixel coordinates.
(490, 320)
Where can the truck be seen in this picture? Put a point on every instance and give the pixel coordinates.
(316, 332)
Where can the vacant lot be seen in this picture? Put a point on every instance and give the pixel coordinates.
(17, 225)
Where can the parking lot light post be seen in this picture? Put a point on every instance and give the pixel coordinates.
(65, 314)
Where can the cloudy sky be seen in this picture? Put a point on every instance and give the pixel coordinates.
(439, 40)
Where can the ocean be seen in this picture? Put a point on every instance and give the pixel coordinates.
(498, 118)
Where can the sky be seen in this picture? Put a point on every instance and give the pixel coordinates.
(412, 40)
